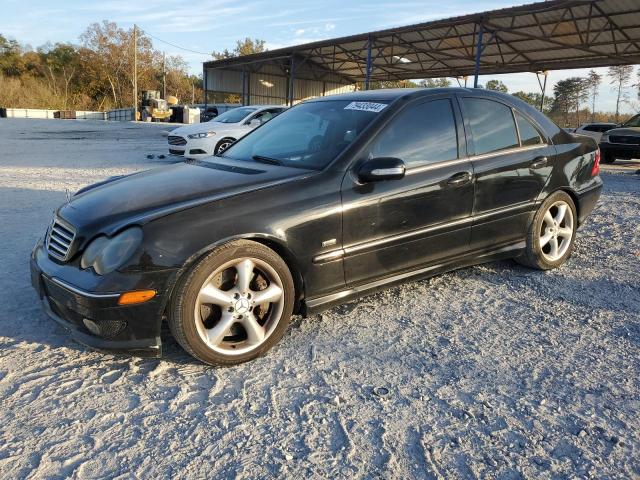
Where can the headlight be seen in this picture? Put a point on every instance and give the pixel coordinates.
(202, 135)
(605, 138)
(106, 254)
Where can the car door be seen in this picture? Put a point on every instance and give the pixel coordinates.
(397, 225)
(512, 161)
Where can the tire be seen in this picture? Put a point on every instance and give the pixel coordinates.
(219, 321)
(223, 144)
(549, 223)
(608, 158)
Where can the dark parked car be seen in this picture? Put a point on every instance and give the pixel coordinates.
(330, 200)
(622, 142)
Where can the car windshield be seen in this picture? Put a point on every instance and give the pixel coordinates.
(632, 122)
(234, 116)
(308, 136)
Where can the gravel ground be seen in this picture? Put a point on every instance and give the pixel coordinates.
(494, 371)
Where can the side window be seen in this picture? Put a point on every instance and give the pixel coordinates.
(592, 128)
(420, 135)
(492, 125)
(528, 133)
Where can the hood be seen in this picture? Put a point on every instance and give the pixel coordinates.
(624, 131)
(153, 193)
(203, 127)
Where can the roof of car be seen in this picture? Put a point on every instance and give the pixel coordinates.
(387, 94)
(598, 123)
(263, 106)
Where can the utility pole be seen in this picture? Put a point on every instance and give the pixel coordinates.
(135, 72)
(164, 75)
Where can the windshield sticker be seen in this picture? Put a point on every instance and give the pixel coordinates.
(366, 106)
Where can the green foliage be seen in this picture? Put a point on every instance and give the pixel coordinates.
(496, 85)
(534, 99)
(243, 47)
(435, 83)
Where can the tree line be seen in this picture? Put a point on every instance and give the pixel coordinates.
(96, 74)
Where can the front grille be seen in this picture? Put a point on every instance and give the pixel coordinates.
(175, 140)
(626, 140)
(59, 240)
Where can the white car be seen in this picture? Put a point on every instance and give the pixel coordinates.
(594, 130)
(202, 140)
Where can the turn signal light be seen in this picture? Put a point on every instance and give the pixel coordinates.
(138, 296)
(595, 170)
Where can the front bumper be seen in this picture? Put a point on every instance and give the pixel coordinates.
(95, 319)
(620, 150)
(199, 148)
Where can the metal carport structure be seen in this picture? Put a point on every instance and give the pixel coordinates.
(551, 35)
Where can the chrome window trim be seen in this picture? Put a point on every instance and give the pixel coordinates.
(471, 158)
(81, 292)
(507, 151)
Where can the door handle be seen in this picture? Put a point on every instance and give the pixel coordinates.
(459, 178)
(538, 162)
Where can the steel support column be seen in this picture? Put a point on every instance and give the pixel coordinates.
(367, 78)
(204, 79)
(244, 87)
(292, 77)
(479, 48)
(543, 86)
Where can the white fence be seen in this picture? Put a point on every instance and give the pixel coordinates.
(121, 114)
(29, 113)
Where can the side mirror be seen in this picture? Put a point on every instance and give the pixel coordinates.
(381, 168)
(255, 122)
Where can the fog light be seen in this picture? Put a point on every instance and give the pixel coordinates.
(92, 326)
(138, 296)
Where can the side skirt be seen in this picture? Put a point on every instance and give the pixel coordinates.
(318, 304)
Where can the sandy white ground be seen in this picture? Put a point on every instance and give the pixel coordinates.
(490, 372)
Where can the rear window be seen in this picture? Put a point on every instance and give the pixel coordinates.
(528, 133)
(492, 125)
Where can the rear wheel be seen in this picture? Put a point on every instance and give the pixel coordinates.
(234, 305)
(551, 235)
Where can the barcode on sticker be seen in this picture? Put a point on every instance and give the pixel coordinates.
(366, 106)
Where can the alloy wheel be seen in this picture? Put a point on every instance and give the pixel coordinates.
(223, 146)
(556, 231)
(239, 306)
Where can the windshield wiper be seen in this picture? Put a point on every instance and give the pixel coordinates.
(269, 160)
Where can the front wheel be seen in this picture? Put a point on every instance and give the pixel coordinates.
(551, 234)
(223, 145)
(234, 305)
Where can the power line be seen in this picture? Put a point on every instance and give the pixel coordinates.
(174, 45)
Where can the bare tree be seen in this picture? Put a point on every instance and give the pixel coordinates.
(593, 81)
(620, 77)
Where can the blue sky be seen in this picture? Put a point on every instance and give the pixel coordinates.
(207, 25)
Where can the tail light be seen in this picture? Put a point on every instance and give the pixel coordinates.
(595, 169)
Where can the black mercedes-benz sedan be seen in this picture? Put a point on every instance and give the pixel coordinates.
(332, 199)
